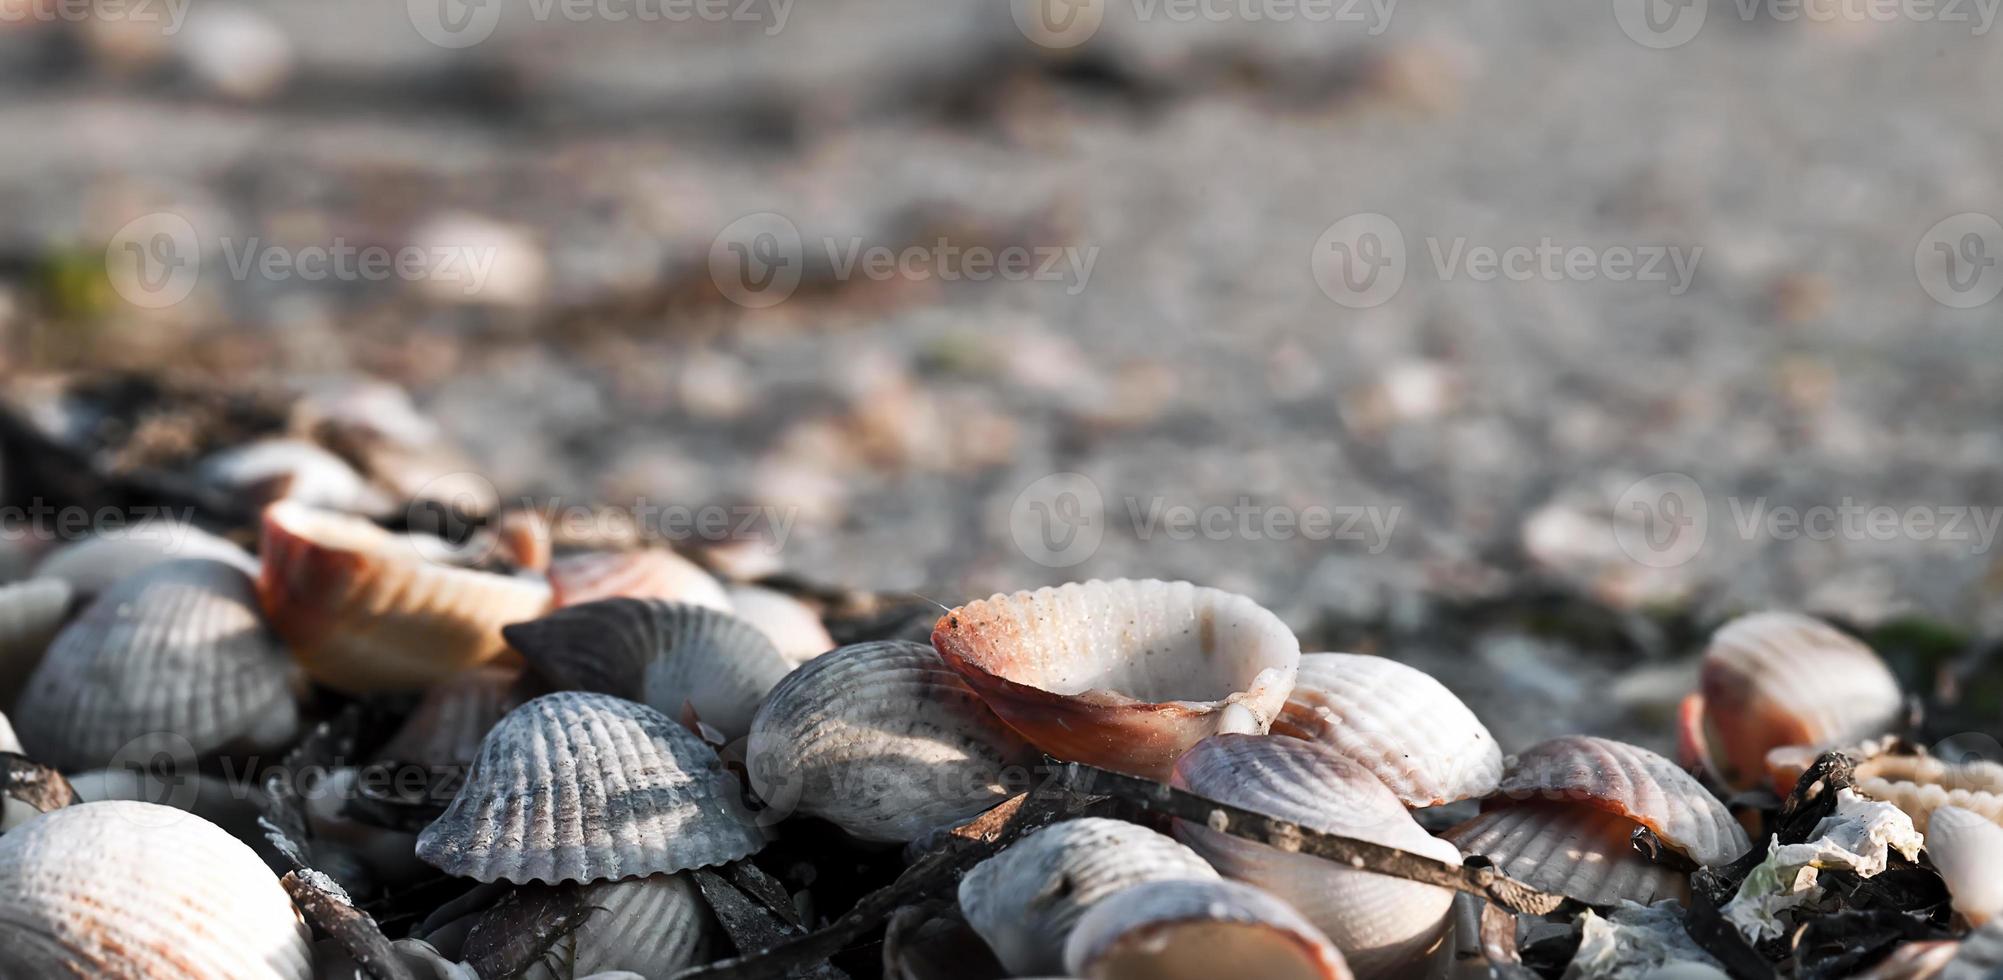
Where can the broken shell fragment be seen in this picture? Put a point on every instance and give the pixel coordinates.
(1123, 674)
(1199, 930)
(793, 626)
(364, 610)
(653, 926)
(30, 614)
(585, 787)
(883, 740)
(1968, 849)
(1577, 851)
(1025, 901)
(1634, 783)
(649, 573)
(1399, 722)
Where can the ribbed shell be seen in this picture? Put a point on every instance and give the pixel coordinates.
(793, 626)
(1025, 900)
(650, 573)
(1967, 847)
(1123, 674)
(1404, 726)
(654, 927)
(30, 614)
(91, 566)
(1635, 783)
(585, 787)
(292, 469)
(454, 716)
(1775, 678)
(1199, 930)
(176, 650)
(665, 654)
(134, 891)
(1578, 851)
(883, 740)
(365, 611)
(1919, 785)
(1383, 925)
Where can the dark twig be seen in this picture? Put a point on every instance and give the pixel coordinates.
(327, 906)
(750, 924)
(522, 927)
(35, 784)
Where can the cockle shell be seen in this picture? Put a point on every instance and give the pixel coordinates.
(1400, 723)
(883, 740)
(793, 626)
(135, 891)
(1383, 925)
(1123, 674)
(365, 610)
(667, 655)
(1633, 782)
(653, 926)
(576, 786)
(1199, 930)
(30, 614)
(649, 573)
(454, 716)
(1580, 852)
(1967, 848)
(1025, 900)
(176, 654)
(91, 565)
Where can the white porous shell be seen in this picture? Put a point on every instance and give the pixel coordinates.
(1578, 851)
(175, 656)
(1967, 848)
(1124, 674)
(586, 787)
(1199, 930)
(1633, 782)
(883, 740)
(650, 573)
(1400, 723)
(793, 626)
(454, 716)
(1383, 925)
(1025, 900)
(134, 891)
(91, 566)
(30, 614)
(654, 927)
(1919, 785)
(671, 656)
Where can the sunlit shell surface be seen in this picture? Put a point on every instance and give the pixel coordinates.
(792, 625)
(30, 614)
(1633, 782)
(1198, 930)
(1025, 900)
(883, 740)
(1775, 678)
(9, 742)
(1574, 850)
(669, 655)
(291, 469)
(1383, 925)
(90, 566)
(1123, 674)
(651, 926)
(455, 715)
(136, 891)
(1920, 785)
(176, 652)
(587, 787)
(1400, 723)
(365, 610)
(1967, 847)
(650, 573)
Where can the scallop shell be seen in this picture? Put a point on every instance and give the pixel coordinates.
(1634, 783)
(1774, 678)
(364, 610)
(883, 740)
(1124, 674)
(1199, 930)
(653, 926)
(135, 891)
(448, 724)
(1025, 900)
(650, 573)
(793, 626)
(30, 614)
(668, 655)
(576, 786)
(1404, 726)
(1968, 849)
(176, 652)
(1383, 925)
(91, 566)
(1577, 851)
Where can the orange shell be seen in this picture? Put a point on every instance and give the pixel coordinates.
(1775, 679)
(650, 573)
(1635, 783)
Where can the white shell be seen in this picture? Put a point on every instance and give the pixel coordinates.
(233, 807)
(1199, 930)
(1577, 851)
(653, 926)
(1025, 900)
(1919, 785)
(176, 655)
(30, 614)
(883, 740)
(297, 469)
(1403, 725)
(650, 573)
(1633, 782)
(587, 787)
(9, 742)
(135, 891)
(1968, 849)
(1383, 925)
(454, 716)
(792, 625)
(91, 566)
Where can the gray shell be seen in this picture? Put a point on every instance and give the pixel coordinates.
(1228, 929)
(454, 716)
(653, 926)
(95, 563)
(30, 614)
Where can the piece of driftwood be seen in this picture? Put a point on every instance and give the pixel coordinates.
(328, 908)
(35, 784)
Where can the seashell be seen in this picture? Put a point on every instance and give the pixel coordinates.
(364, 610)
(1774, 679)
(176, 654)
(1920, 785)
(448, 724)
(1581, 852)
(1124, 674)
(13, 812)
(653, 926)
(233, 808)
(1384, 926)
(30, 614)
(667, 655)
(1199, 930)
(1633, 782)
(883, 740)
(1967, 848)
(1404, 726)
(9, 742)
(91, 566)
(1025, 900)
(576, 786)
(268, 470)
(1920, 960)
(793, 626)
(650, 573)
(137, 891)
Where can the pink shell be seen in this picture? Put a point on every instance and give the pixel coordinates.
(1400, 723)
(650, 573)
(1775, 679)
(1577, 851)
(1635, 783)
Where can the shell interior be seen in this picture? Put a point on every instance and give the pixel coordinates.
(1577, 851)
(1199, 930)
(1635, 783)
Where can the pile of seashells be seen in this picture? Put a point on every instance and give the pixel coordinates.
(360, 750)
